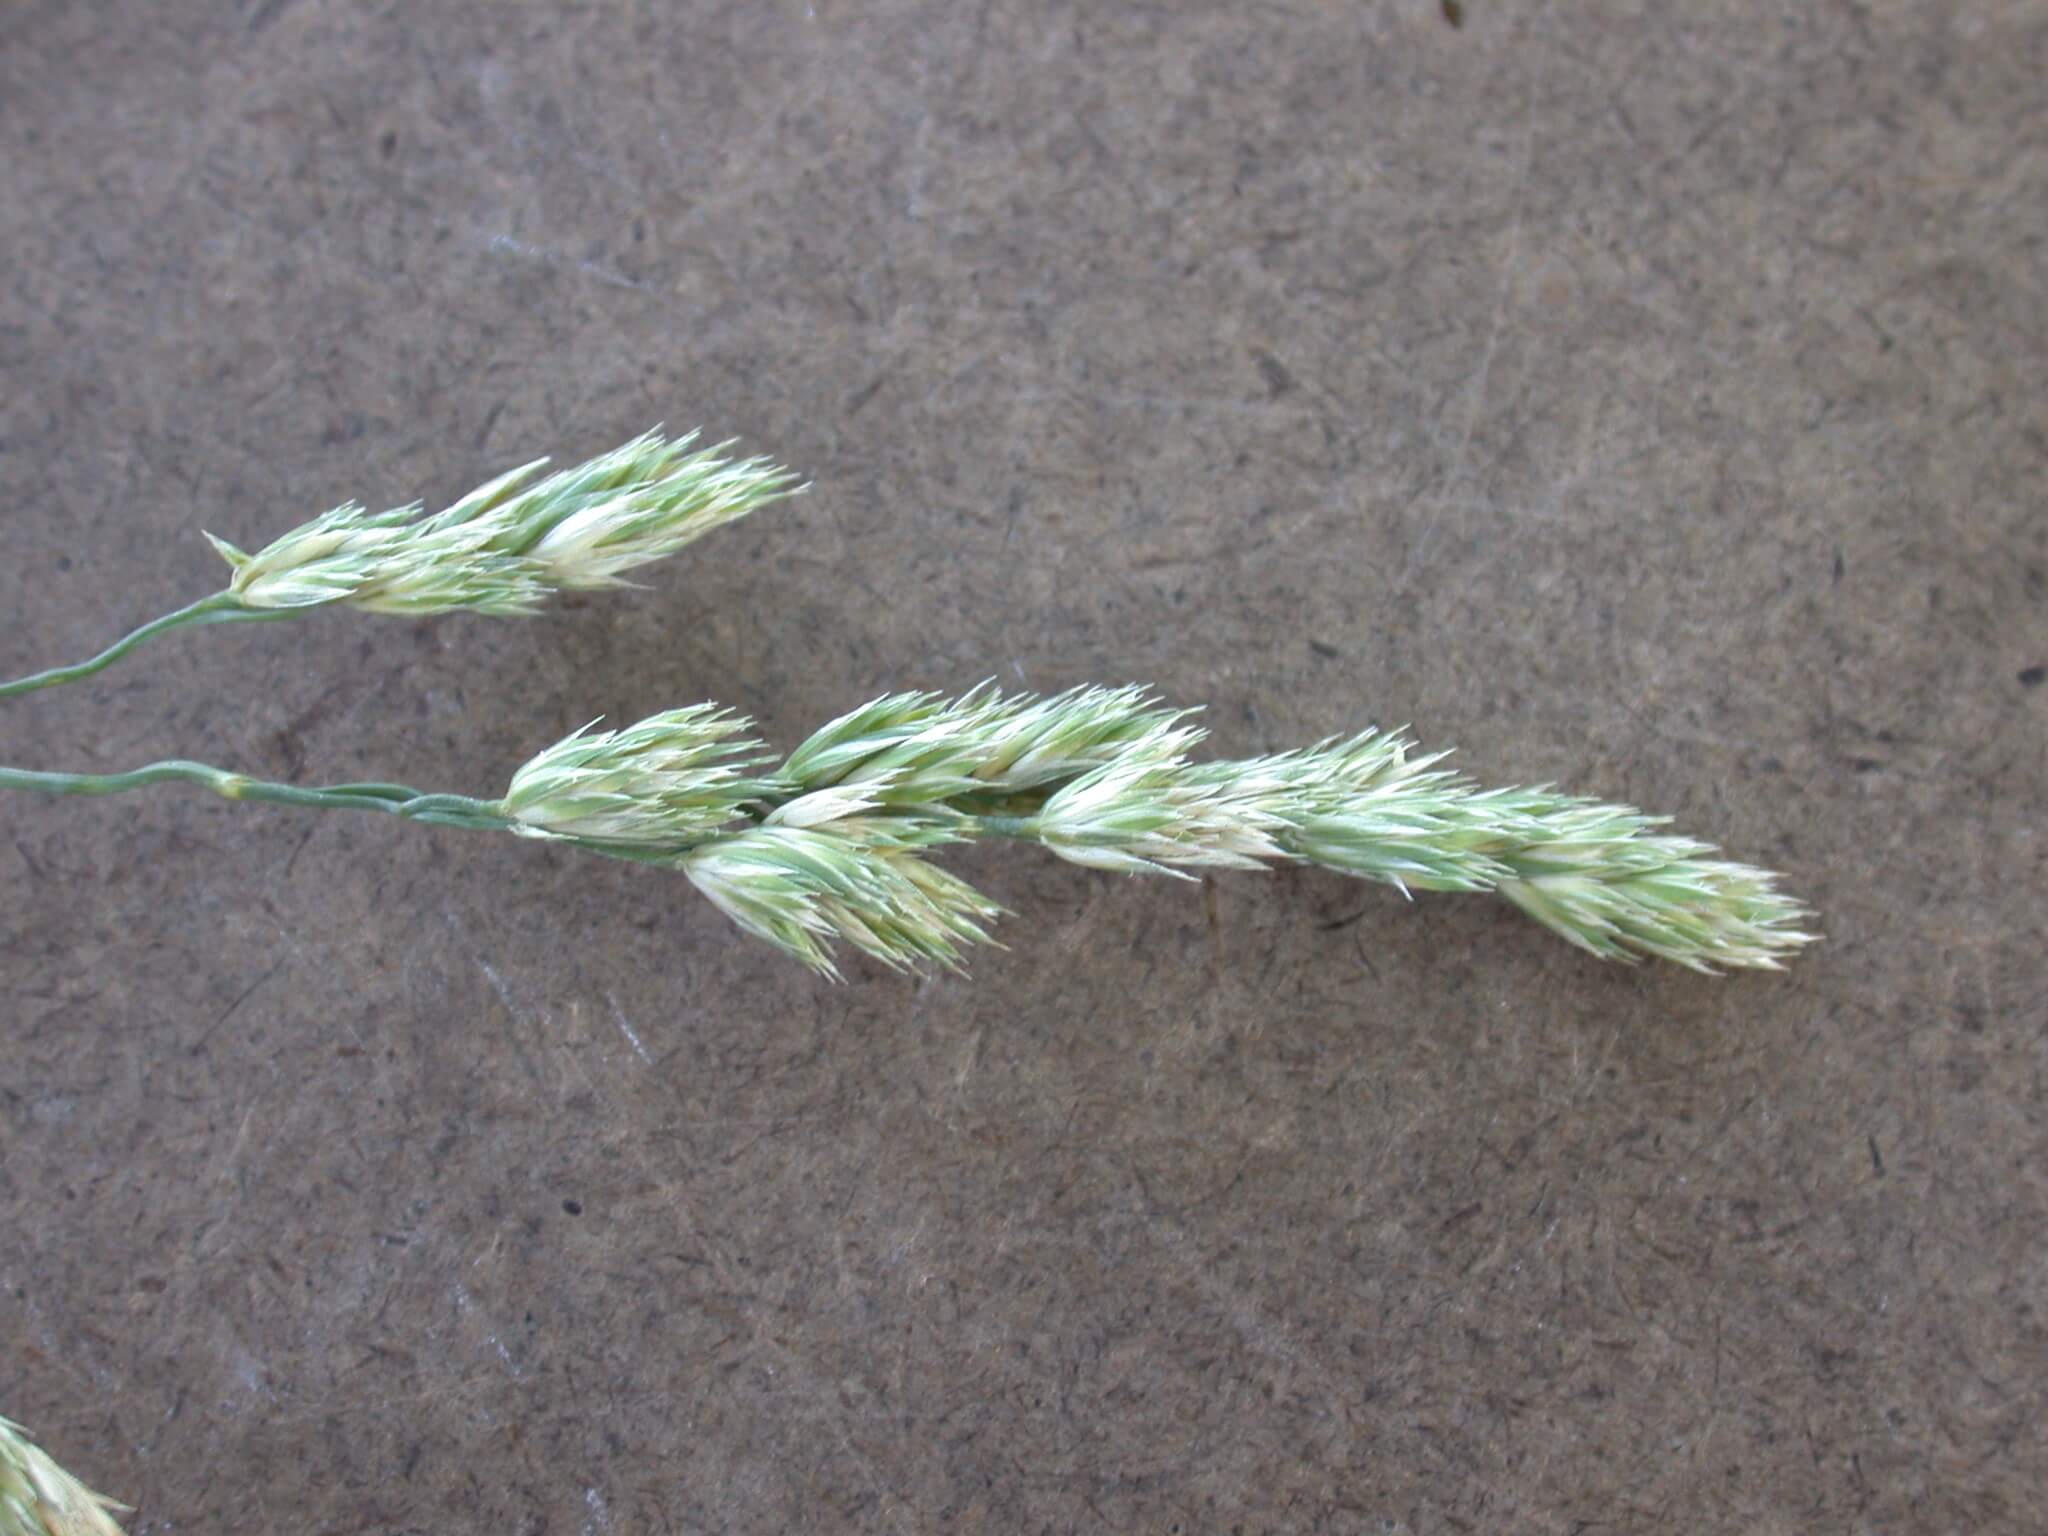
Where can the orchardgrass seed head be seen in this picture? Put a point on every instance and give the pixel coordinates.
(831, 844)
(509, 545)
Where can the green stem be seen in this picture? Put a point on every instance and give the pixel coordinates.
(439, 810)
(1025, 827)
(220, 608)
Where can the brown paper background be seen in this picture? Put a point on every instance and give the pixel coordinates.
(1645, 398)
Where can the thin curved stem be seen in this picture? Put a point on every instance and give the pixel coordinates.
(220, 608)
(439, 810)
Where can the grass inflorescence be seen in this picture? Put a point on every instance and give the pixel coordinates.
(832, 842)
(515, 541)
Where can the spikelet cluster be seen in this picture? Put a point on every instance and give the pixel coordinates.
(1144, 811)
(513, 542)
(39, 1498)
(831, 843)
(926, 749)
(667, 782)
(1599, 875)
(1602, 876)
(800, 887)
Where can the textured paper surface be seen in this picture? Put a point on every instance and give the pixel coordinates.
(1647, 399)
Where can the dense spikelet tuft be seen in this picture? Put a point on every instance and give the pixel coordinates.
(586, 527)
(1599, 875)
(1035, 741)
(669, 781)
(1604, 878)
(903, 748)
(922, 748)
(381, 562)
(1366, 807)
(1145, 810)
(800, 887)
(510, 544)
(39, 1498)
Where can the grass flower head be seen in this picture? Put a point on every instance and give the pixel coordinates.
(511, 543)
